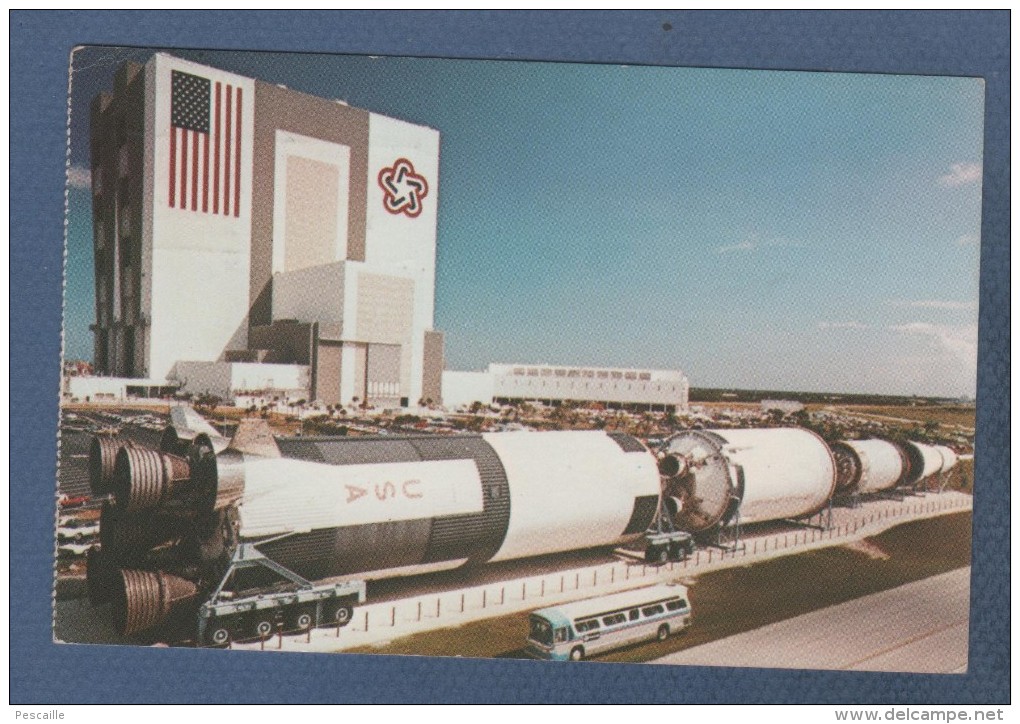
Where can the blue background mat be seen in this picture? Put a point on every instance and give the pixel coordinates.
(947, 43)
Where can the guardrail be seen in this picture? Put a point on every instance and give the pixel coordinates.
(382, 621)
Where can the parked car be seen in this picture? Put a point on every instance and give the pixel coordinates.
(71, 529)
(71, 501)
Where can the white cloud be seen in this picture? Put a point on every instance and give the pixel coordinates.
(968, 240)
(948, 304)
(753, 243)
(742, 246)
(959, 342)
(79, 177)
(843, 325)
(961, 174)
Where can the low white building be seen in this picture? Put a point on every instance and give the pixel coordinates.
(460, 389)
(229, 379)
(657, 390)
(88, 388)
(787, 407)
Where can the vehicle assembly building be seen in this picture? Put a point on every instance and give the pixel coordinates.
(238, 223)
(656, 390)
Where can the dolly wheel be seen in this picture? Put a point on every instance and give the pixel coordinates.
(340, 614)
(217, 631)
(262, 625)
(301, 619)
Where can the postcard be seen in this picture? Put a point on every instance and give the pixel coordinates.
(517, 359)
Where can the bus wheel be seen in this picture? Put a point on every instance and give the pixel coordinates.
(663, 632)
(576, 653)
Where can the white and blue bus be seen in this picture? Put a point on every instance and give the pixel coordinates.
(595, 625)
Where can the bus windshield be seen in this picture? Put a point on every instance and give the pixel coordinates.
(541, 631)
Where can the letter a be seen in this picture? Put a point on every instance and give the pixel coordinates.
(354, 492)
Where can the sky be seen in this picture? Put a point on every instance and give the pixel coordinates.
(768, 230)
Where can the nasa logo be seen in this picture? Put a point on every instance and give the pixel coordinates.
(403, 189)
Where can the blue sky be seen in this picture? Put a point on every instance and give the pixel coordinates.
(771, 230)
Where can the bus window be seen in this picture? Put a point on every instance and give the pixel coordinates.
(613, 619)
(675, 604)
(585, 626)
(652, 610)
(561, 635)
(541, 631)
(634, 614)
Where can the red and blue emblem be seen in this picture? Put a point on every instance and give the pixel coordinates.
(403, 189)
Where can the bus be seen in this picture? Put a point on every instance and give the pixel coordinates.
(583, 628)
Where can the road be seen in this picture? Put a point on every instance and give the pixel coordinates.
(924, 629)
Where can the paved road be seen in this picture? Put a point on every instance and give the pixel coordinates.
(919, 627)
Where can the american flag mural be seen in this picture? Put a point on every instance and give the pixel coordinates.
(205, 145)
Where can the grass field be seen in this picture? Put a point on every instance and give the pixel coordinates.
(747, 597)
(943, 415)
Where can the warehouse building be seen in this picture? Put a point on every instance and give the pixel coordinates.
(238, 223)
(612, 388)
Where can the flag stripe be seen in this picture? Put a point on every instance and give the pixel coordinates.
(205, 173)
(237, 160)
(184, 168)
(173, 166)
(194, 170)
(216, 153)
(226, 179)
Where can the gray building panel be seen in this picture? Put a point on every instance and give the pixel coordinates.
(283, 109)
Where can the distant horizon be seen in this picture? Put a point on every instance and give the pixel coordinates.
(758, 230)
(757, 390)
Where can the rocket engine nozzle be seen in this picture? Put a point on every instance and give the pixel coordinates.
(102, 462)
(671, 466)
(145, 599)
(145, 479)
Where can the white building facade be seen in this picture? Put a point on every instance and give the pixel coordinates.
(613, 388)
(228, 210)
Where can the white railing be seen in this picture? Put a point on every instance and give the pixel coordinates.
(382, 621)
(557, 586)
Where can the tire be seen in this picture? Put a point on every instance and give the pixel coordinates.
(339, 613)
(217, 632)
(577, 654)
(262, 624)
(300, 619)
(655, 554)
(663, 633)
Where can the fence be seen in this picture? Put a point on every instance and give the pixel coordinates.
(380, 621)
